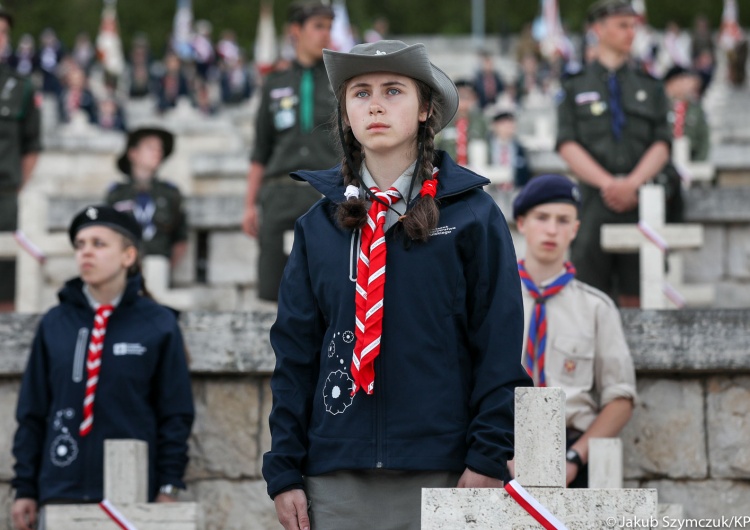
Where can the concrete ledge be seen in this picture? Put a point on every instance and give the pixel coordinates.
(717, 205)
(687, 341)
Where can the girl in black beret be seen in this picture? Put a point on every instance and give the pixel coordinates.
(107, 362)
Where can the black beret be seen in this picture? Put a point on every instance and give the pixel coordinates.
(4, 13)
(103, 215)
(299, 12)
(545, 189)
(676, 71)
(605, 8)
(503, 115)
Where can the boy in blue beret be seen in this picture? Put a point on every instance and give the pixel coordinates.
(573, 336)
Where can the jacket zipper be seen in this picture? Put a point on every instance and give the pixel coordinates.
(379, 420)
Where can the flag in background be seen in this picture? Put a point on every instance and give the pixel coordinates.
(182, 30)
(731, 33)
(548, 31)
(265, 49)
(341, 32)
(108, 43)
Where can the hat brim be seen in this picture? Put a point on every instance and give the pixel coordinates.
(411, 62)
(167, 142)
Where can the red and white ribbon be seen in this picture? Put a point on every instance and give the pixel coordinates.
(29, 246)
(674, 295)
(116, 516)
(653, 236)
(533, 506)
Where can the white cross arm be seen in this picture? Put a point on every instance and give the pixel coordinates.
(161, 516)
(627, 238)
(494, 509)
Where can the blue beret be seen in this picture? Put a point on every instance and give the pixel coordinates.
(544, 189)
(102, 215)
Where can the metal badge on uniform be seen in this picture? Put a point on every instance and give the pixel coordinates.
(10, 84)
(283, 119)
(278, 93)
(641, 95)
(598, 108)
(587, 97)
(569, 366)
(287, 103)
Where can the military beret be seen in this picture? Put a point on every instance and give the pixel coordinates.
(299, 12)
(103, 215)
(4, 13)
(545, 189)
(677, 71)
(605, 8)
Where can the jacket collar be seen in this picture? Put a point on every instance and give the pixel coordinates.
(452, 180)
(72, 292)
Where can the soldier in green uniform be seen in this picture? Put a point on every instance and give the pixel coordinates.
(156, 204)
(19, 148)
(614, 135)
(291, 133)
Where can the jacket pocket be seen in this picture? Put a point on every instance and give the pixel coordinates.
(572, 361)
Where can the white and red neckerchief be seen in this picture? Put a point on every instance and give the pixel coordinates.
(93, 365)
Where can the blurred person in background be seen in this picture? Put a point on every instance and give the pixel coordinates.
(75, 94)
(51, 53)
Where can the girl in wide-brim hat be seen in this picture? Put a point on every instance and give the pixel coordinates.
(400, 319)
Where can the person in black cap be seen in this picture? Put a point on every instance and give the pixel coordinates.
(291, 133)
(156, 204)
(506, 151)
(573, 334)
(20, 143)
(393, 372)
(107, 362)
(614, 135)
(682, 87)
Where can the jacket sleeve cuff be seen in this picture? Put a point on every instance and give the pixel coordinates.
(288, 488)
(24, 492)
(285, 482)
(485, 466)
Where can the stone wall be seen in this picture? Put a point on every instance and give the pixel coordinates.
(688, 436)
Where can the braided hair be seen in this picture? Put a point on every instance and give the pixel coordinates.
(420, 219)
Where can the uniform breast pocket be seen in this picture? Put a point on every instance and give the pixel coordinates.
(593, 121)
(571, 361)
(640, 120)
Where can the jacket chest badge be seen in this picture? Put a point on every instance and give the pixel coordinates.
(641, 95)
(569, 366)
(598, 108)
(442, 231)
(64, 449)
(126, 348)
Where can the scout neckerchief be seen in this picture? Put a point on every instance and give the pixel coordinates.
(306, 100)
(369, 291)
(680, 111)
(93, 365)
(615, 105)
(537, 339)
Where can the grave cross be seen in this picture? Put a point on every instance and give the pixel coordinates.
(653, 238)
(125, 487)
(540, 469)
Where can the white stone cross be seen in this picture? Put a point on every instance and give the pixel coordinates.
(126, 487)
(629, 238)
(479, 163)
(690, 170)
(540, 469)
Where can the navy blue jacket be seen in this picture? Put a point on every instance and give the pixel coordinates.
(450, 354)
(143, 393)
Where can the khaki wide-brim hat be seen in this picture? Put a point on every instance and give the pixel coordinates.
(393, 56)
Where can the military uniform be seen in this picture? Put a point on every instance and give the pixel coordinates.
(286, 141)
(696, 130)
(19, 136)
(584, 117)
(160, 213)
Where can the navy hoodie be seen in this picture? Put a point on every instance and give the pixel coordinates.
(450, 355)
(143, 393)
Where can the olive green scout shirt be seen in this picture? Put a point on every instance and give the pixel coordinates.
(584, 116)
(20, 126)
(283, 142)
